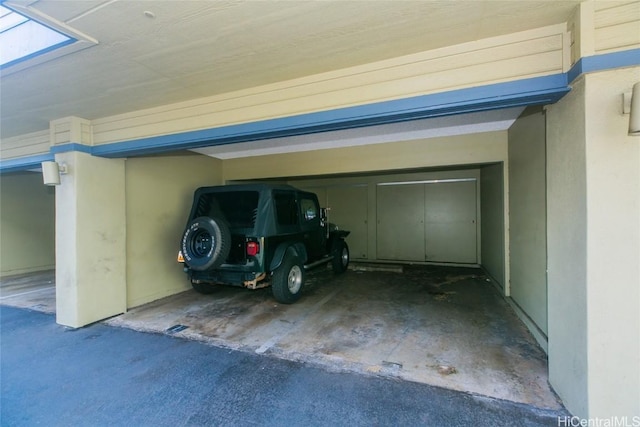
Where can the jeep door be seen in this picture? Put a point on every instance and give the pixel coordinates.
(313, 233)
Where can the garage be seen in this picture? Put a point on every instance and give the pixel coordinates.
(423, 301)
(484, 166)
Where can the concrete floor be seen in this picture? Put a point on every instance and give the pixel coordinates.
(441, 326)
(35, 291)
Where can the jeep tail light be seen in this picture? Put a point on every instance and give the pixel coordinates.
(253, 248)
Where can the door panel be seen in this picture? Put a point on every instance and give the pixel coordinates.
(349, 211)
(400, 228)
(314, 235)
(450, 222)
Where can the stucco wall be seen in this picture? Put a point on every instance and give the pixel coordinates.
(593, 235)
(567, 249)
(527, 216)
(159, 191)
(27, 224)
(493, 225)
(479, 148)
(90, 239)
(613, 252)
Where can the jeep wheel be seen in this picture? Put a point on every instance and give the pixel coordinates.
(206, 243)
(203, 288)
(340, 252)
(288, 279)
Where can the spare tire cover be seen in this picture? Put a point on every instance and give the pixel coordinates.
(206, 243)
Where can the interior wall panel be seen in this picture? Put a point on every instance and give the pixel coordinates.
(492, 210)
(486, 147)
(349, 210)
(527, 215)
(159, 193)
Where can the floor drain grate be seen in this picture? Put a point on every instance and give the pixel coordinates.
(176, 328)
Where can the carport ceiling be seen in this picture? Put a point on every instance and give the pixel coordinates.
(152, 53)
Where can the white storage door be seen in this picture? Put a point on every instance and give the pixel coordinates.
(400, 227)
(450, 222)
(433, 221)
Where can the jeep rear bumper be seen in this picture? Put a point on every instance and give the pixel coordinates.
(246, 279)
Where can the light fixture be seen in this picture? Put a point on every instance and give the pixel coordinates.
(51, 172)
(634, 111)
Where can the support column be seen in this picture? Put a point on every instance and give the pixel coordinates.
(90, 239)
(593, 211)
(567, 251)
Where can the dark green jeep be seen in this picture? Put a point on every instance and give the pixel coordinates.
(256, 235)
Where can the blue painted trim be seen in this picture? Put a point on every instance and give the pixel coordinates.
(607, 61)
(72, 146)
(30, 162)
(24, 163)
(534, 91)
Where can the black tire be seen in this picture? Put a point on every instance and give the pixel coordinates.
(204, 288)
(340, 252)
(206, 243)
(288, 279)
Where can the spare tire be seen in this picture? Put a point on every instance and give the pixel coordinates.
(206, 243)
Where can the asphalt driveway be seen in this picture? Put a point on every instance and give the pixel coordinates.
(103, 375)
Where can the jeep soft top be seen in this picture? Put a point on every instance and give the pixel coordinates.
(256, 235)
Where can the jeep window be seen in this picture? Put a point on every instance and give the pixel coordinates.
(286, 207)
(238, 208)
(309, 209)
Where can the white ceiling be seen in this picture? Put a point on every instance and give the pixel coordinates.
(191, 49)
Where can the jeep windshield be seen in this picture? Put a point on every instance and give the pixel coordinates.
(238, 208)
